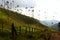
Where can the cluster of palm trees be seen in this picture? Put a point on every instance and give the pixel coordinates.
(30, 10)
(8, 4)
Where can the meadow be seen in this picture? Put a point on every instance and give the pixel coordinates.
(15, 26)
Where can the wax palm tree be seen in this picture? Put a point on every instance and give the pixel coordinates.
(32, 11)
(17, 5)
(10, 5)
(1, 5)
(13, 3)
(7, 3)
(29, 12)
(59, 24)
(3, 1)
(26, 9)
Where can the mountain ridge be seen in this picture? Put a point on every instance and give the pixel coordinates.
(18, 19)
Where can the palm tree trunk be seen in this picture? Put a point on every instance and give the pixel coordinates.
(4, 3)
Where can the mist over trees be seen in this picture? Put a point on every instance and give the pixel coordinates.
(8, 4)
(11, 5)
(59, 24)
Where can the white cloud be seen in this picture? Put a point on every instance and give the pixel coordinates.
(50, 6)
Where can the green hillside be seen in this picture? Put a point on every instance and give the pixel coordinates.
(8, 17)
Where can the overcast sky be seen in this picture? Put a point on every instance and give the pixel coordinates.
(48, 8)
(24, 3)
(51, 7)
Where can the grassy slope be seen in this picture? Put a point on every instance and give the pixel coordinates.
(8, 17)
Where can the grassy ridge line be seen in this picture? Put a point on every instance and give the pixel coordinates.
(20, 18)
(7, 17)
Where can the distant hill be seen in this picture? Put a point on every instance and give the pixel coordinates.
(55, 26)
(51, 23)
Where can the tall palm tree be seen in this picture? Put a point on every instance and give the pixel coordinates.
(10, 5)
(17, 5)
(32, 11)
(29, 11)
(7, 3)
(3, 3)
(26, 9)
(59, 24)
(13, 3)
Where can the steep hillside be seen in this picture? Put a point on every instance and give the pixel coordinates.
(8, 17)
(26, 23)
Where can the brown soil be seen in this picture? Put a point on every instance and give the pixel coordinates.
(55, 36)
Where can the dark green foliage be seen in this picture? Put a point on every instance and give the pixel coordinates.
(59, 24)
(29, 29)
(17, 5)
(14, 32)
(26, 30)
(1, 5)
(13, 29)
(29, 35)
(32, 29)
(7, 2)
(20, 30)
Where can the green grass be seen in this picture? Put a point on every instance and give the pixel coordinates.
(8, 17)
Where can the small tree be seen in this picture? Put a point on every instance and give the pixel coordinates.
(17, 5)
(14, 32)
(20, 30)
(33, 13)
(7, 3)
(13, 3)
(26, 30)
(59, 24)
(3, 3)
(26, 9)
(2, 22)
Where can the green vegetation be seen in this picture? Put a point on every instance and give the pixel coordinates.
(7, 17)
(59, 24)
